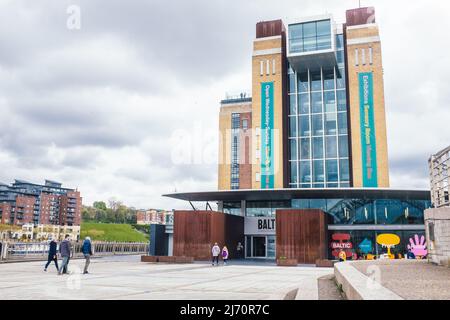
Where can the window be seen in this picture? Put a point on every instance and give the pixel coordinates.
(332, 171)
(293, 149)
(292, 126)
(273, 66)
(304, 126)
(257, 177)
(330, 147)
(342, 122)
(316, 102)
(343, 146)
(245, 124)
(329, 101)
(344, 170)
(267, 67)
(304, 148)
(339, 41)
(292, 83)
(317, 147)
(370, 55)
(303, 102)
(310, 36)
(303, 82)
(293, 166)
(328, 79)
(318, 172)
(292, 104)
(340, 78)
(363, 56)
(316, 81)
(330, 123)
(341, 100)
(317, 125)
(356, 57)
(262, 68)
(305, 172)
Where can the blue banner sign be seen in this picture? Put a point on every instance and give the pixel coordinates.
(267, 163)
(368, 142)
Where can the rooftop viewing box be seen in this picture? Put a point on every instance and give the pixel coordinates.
(311, 43)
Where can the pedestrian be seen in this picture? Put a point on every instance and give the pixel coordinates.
(240, 250)
(215, 253)
(87, 252)
(64, 250)
(225, 255)
(342, 255)
(52, 255)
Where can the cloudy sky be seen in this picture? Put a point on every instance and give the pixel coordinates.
(101, 107)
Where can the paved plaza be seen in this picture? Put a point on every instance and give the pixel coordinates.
(128, 278)
(410, 279)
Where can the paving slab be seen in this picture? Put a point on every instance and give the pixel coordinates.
(410, 279)
(128, 278)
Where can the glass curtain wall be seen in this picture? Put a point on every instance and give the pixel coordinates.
(318, 128)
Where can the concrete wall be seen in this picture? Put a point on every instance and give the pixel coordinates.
(439, 249)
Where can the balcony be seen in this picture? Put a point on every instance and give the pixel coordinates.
(311, 44)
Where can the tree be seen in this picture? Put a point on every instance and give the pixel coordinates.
(100, 205)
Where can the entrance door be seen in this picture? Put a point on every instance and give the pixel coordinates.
(259, 247)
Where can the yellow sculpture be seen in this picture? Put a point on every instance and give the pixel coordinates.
(388, 240)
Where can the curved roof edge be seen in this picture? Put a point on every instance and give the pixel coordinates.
(290, 193)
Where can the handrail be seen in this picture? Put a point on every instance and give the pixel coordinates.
(14, 250)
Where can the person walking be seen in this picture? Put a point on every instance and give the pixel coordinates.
(240, 250)
(52, 255)
(87, 252)
(215, 253)
(225, 255)
(64, 249)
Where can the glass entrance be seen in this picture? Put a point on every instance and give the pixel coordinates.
(260, 247)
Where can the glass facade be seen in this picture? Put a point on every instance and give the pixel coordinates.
(346, 211)
(368, 211)
(318, 127)
(310, 36)
(369, 217)
(358, 238)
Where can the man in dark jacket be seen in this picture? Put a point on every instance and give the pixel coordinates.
(87, 251)
(52, 255)
(64, 249)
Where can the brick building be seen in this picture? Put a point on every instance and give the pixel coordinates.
(153, 216)
(28, 203)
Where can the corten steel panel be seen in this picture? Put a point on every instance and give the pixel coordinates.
(196, 231)
(269, 28)
(301, 234)
(360, 16)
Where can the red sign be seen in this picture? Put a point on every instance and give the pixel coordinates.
(341, 245)
(341, 241)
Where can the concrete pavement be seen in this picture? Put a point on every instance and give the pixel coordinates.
(128, 278)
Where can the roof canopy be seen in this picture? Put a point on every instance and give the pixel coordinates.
(288, 194)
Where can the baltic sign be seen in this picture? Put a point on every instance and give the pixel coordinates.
(259, 225)
(368, 146)
(267, 164)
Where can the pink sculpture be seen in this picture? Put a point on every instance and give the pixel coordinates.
(419, 248)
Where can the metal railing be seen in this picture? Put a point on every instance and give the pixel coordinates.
(22, 251)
